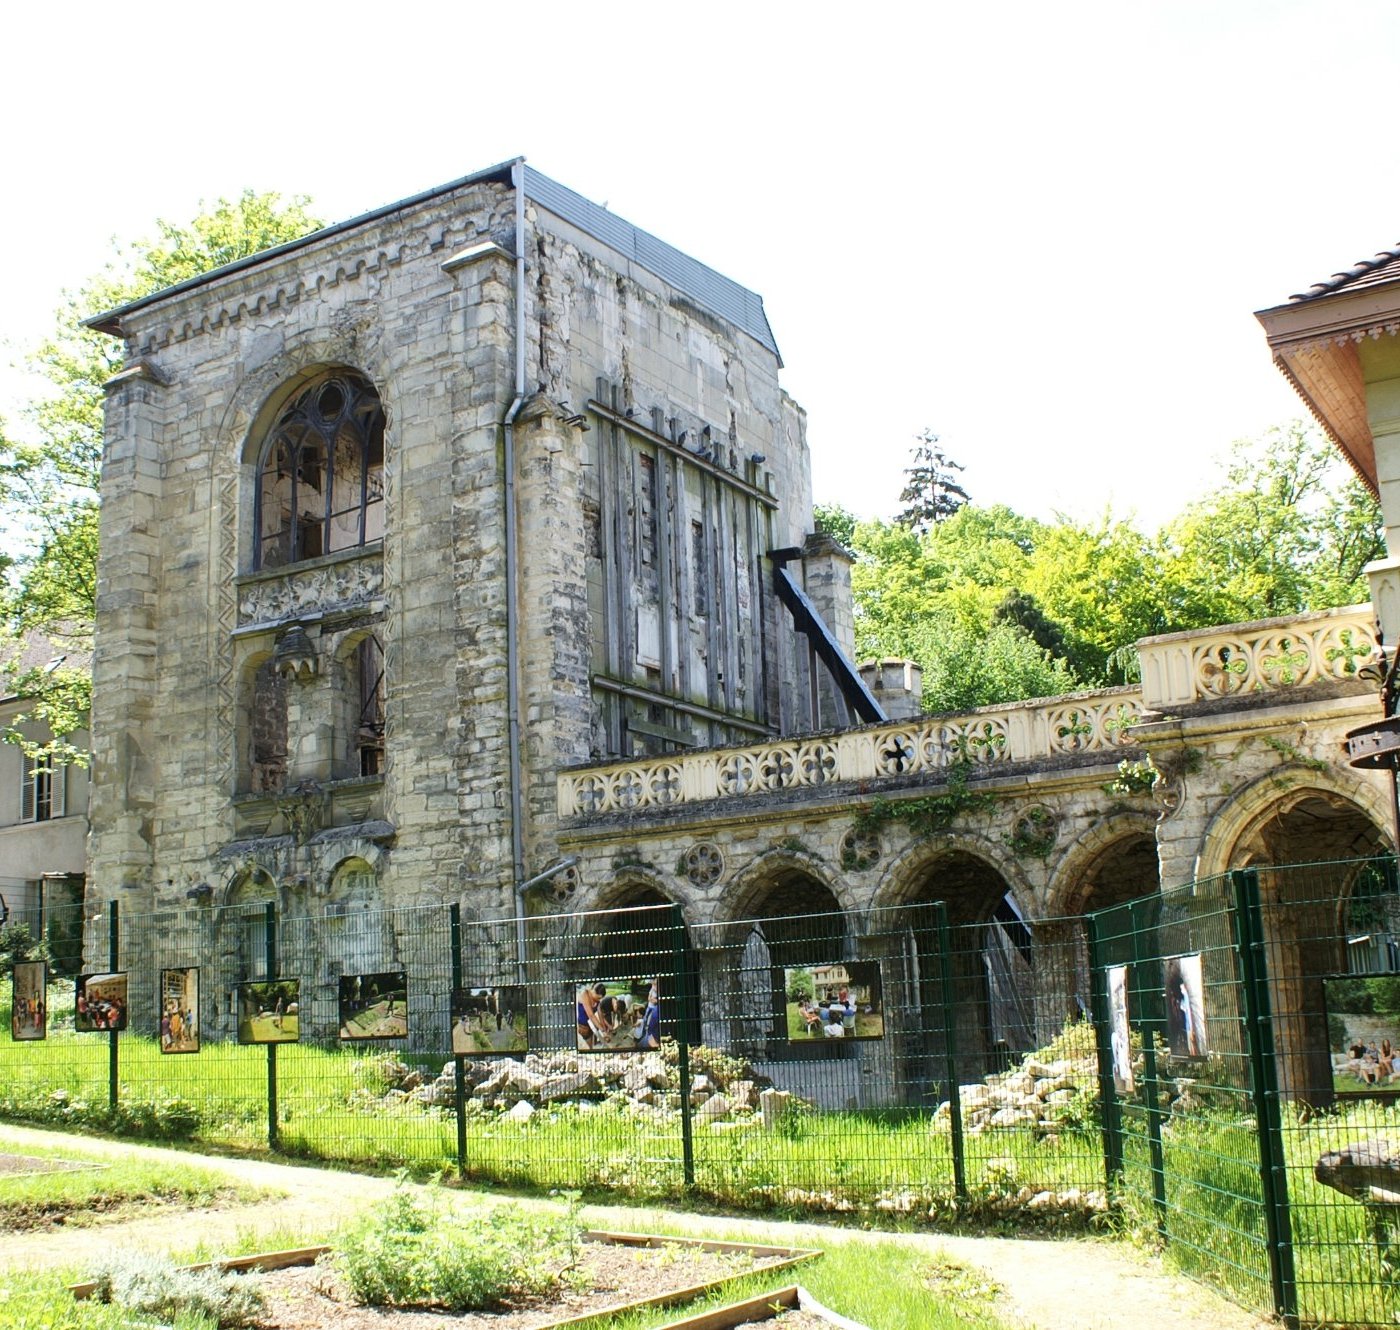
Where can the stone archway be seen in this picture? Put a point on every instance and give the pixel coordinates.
(994, 963)
(633, 936)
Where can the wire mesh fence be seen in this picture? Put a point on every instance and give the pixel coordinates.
(1216, 1063)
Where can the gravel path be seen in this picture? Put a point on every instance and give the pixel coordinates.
(1060, 1284)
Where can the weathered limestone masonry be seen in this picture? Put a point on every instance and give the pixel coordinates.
(303, 679)
(301, 673)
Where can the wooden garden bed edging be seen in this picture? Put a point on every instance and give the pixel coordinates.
(764, 1307)
(791, 1256)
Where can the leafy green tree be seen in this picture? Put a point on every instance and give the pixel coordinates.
(50, 470)
(965, 668)
(1288, 531)
(836, 521)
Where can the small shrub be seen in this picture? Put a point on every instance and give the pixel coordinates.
(406, 1253)
(153, 1286)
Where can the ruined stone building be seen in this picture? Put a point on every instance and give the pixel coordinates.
(473, 537)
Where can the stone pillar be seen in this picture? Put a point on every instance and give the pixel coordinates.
(555, 644)
(125, 683)
(826, 578)
(897, 686)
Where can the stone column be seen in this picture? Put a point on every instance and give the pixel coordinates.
(826, 576)
(125, 691)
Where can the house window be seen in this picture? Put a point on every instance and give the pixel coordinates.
(41, 795)
(321, 475)
(369, 730)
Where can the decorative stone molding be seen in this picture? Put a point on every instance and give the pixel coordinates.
(990, 736)
(704, 864)
(340, 582)
(1272, 654)
(303, 810)
(860, 850)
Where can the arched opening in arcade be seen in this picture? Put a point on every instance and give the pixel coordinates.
(1331, 922)
(766, 973)
(993, 968)
(639, 945)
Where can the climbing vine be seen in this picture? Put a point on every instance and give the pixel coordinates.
(930, 814)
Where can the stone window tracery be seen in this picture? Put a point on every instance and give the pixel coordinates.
(320, 486)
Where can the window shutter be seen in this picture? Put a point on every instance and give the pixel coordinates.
(26, 790)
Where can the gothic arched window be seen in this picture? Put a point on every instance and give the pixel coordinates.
(321, 474)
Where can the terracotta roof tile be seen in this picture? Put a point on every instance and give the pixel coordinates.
(1384, 267)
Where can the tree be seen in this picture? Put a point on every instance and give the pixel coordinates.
(50, 471)
(931, 492)
(1288, 531)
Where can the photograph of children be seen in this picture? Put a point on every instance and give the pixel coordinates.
(1186, 1011)
(374, 1006)
(618, 1016)
(838, 1001)
(179, 1010)
(268, 1011)
(1118, 1029)
(1363, 1032)
(99, 1002)
(28, 1010)
(489, 1020)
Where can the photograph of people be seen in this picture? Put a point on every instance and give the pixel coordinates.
(28, 1009)
(1186, 1012)
(489, 1020)
(99, 1002)
(836, 1001)
(617, 1016)
(1118, 1029)
(1363, 1032)
(179, 1010)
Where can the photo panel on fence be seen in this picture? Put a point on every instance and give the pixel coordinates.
(488, 1021)
(100, 1002)
(1119, 1032)
(29, 1001)
(269, 1011)
(1363, 1032)
(839, 1000)
(374, 1006)
(179, 1009)
(618, 1015)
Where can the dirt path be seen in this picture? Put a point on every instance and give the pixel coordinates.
(1064, 1284)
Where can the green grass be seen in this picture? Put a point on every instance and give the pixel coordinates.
(116, 1185)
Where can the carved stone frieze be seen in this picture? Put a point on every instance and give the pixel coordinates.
(333, 586)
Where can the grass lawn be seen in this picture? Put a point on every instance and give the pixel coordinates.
(106, 1188)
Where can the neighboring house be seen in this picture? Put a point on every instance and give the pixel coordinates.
(43, 810)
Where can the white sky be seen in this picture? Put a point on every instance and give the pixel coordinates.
(1039, 229)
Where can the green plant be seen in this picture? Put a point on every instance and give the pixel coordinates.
(931, 814)
(1034, 834)
(1292, 753)
(407, 1252)
(154, 1286)
(1134, 778)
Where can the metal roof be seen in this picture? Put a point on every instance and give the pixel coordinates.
(707, 288)
(710, 290)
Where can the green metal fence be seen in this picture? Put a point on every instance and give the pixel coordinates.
(1219, 1064)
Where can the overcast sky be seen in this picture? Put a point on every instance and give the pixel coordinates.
(1038, 229)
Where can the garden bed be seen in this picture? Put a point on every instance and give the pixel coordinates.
(791, 1308)
(623, 1272)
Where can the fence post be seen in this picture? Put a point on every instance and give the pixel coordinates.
(684, 983)
(1150, 1018)
(1259, 1028)
(1100, 1012)
(950, 1060)
(113, 1050)
(270, 958)
(459, 1093)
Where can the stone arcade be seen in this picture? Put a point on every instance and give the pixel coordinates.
(473, 536)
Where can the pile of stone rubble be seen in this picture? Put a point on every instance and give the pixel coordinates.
(520, 1087)
(1036, 1095)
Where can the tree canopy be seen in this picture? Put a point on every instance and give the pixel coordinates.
(997, 607)
(50, 464)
